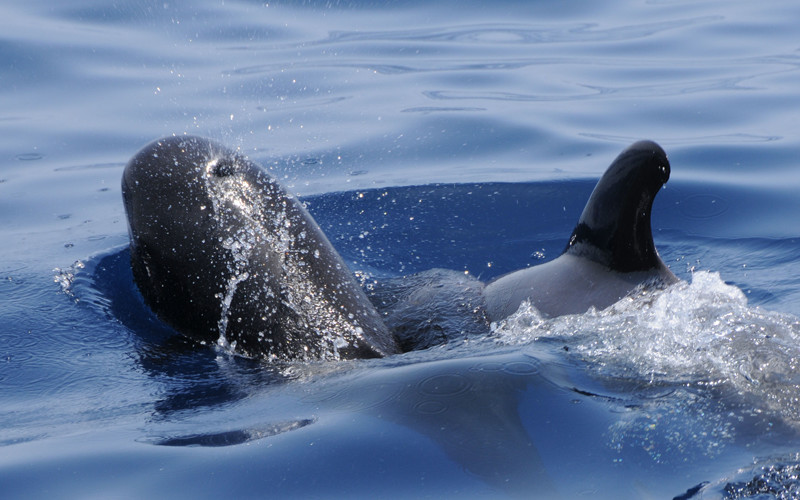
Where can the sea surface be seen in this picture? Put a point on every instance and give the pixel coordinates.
(456, 135)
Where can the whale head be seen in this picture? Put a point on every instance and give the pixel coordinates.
(223, 253)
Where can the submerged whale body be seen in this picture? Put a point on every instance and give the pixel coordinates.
(222, 253)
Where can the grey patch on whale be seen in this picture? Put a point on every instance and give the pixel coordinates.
(610, 252)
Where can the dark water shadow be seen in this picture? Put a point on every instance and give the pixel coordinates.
(470, 409)
(234, 437)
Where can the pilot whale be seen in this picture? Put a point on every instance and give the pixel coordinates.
(610, 252)
(224, 254)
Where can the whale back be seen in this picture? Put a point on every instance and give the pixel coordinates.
(614, 229)
(223, 253)
(610, 252)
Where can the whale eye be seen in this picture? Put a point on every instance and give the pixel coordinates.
(225, 167)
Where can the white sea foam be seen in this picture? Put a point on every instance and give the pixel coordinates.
(698, 333)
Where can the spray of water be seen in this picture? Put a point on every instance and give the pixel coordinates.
(702, 333)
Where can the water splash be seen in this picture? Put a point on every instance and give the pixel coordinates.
(701, 334)
(240, 244)
(259, 219)
(66, 277)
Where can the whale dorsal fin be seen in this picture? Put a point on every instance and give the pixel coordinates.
(614, 228)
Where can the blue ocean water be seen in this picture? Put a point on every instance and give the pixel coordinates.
(456, 135)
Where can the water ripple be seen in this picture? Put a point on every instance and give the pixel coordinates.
(686, 140)
(598, 91)
(520, 33)
(439, 109)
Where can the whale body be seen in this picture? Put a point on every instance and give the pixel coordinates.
(610, 252)
(224, 254)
